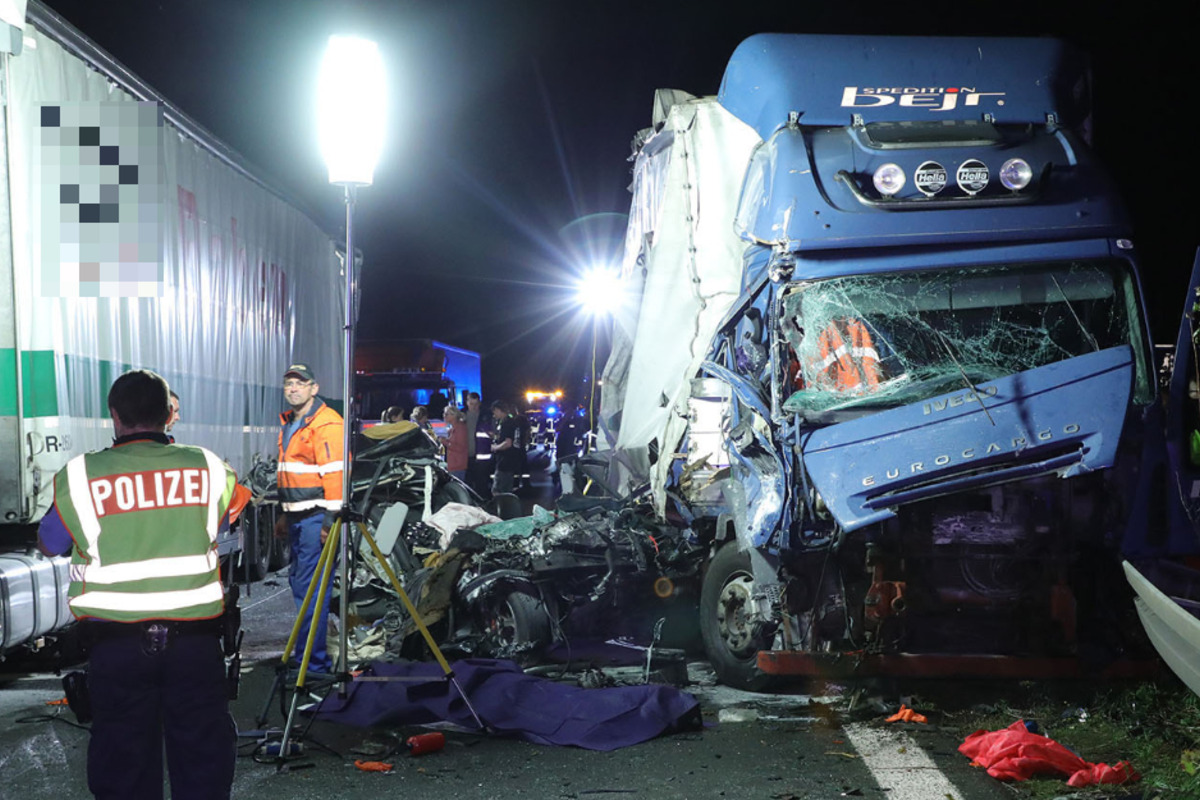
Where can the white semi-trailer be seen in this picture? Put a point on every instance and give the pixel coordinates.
(189, 264)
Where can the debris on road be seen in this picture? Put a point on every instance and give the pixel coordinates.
(425, 743)
(737, 715)
(1016, 753)
(906, 714)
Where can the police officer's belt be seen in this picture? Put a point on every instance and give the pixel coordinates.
(99, 630)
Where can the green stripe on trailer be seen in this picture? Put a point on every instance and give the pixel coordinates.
(39, 396)
(40, 392)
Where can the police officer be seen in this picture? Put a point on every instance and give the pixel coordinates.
(310, 489)
(143, 517)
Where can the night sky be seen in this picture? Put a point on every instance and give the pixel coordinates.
(505, 171)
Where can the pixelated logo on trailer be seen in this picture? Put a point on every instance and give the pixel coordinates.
(101, 195)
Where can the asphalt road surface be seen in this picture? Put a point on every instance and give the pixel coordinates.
(776, 746)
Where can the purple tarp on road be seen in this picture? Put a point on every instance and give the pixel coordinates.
(510, 702)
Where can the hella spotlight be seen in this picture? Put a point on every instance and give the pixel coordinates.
(889, 179)
(1016, 174)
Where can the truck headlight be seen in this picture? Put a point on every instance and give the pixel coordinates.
(1016, 174)
(889, 179)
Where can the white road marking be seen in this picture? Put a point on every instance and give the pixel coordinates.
(899, 765)
(268, 598)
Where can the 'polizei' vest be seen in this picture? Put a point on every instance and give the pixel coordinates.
(144, 517)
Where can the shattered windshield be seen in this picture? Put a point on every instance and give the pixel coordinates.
(876, 341)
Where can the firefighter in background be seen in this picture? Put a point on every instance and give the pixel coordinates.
(310, 490)
(143, 518)
(844, 359)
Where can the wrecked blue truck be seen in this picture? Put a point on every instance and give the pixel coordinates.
(888, 357)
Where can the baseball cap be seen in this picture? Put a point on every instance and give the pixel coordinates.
(301, 370)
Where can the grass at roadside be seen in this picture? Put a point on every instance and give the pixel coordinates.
(1153, 725)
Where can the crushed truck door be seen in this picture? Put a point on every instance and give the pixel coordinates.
(758, 493)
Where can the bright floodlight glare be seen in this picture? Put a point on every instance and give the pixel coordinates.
(351, 109)
(600, 291)
(889, 179)
(1016, 174)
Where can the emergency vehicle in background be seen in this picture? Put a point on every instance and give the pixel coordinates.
(229, 317)
(889, 358)
(542, 410)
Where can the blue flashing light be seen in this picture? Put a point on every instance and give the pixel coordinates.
(551, 411)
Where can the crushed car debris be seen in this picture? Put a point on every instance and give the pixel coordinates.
(511, 589)
(607, 584)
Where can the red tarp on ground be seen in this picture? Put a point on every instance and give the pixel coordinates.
(1016, 754)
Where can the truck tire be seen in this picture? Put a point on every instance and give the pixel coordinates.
(730, 642)
(256, 557)
(281, 554)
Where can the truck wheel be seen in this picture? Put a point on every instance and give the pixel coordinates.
(516, 619)
(258, 537)
(281, 554)
(731, 642)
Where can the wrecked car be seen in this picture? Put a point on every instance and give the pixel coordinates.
(490, 583)
(519, 588)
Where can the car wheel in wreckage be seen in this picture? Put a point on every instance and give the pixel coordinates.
(517, 625)
(731, 638)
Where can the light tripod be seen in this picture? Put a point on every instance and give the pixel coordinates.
(316, 594)
(337, 541)
(351, 106)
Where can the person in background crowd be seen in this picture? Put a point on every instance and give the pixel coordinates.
(438, 404)
(152, 607)
(457, 444)
(479, 451)
(508, 458)
(393, 414)
(420, 417)
(310, 489)
(521, 443)
(568, 442)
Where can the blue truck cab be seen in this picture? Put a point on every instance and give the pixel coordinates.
(926, 407)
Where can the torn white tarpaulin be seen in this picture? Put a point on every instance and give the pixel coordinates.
(683, 261)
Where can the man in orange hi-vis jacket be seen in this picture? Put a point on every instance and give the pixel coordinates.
(311, 461)
(847, 359)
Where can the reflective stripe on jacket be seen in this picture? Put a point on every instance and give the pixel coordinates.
(848, 359)
(144, 517)
(310, 469)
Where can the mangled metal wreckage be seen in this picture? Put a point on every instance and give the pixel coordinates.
(503, 588)
(888, 360)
